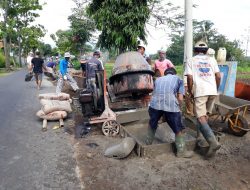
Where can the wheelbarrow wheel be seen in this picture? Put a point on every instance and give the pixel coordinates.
(110, 128)
(242, 123)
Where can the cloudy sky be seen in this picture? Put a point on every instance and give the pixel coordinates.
(231, 18)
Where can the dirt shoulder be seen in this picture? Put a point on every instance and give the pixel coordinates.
(228, 170)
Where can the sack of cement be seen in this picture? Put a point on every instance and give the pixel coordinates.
(164, 133)
(49, 106)
(121, 150)
(56, 115)
(54, 96)
(74, 72)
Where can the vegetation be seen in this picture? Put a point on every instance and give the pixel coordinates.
(204, 30)
(16, 25)
(121, 22)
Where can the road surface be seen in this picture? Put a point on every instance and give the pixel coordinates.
(29, 158)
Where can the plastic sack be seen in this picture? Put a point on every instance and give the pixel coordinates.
(56, 115)
(49, 106)
(54, 96)
(28, 77)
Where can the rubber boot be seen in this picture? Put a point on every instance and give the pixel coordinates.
(199, 138)
(150, 136)
(181, 148)
(208, 134)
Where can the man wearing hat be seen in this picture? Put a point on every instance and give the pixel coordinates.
(162, 64)
(166, 101)
(141, 49)
(64, 75)
(203, 80)
(93, 65)
(29, 58)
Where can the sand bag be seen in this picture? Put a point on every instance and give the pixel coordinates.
(56, 115)
(49, 106)
(54, 96)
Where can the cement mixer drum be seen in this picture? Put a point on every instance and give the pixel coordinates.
(131, 74)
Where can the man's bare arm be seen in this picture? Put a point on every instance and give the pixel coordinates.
(190, 83)
(217, 78)
(180, 99)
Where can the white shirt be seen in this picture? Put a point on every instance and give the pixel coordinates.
(203, 69)
(29, 58)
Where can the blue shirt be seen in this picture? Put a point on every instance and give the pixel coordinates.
(63, 66)
(51, 64)
(165, 91)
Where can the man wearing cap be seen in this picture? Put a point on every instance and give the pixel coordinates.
(93, 65)
(166, 101)
(64, 75)
(141, 49)
(162, 64)
(203, 80)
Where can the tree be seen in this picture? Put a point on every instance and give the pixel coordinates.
(175, 52)
(82, 27)
(30, 37)
(63, 40)
(121, 22)
(4, 5)
(18, 15)
(45, 49)
(204, 30)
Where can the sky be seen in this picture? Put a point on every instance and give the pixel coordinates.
(230, 18)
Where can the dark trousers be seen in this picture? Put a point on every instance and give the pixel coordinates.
(172, 118)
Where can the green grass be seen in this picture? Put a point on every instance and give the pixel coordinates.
(243, 69)
(179, 69)
(3, 72)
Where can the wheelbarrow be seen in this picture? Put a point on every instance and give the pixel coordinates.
(234, 111)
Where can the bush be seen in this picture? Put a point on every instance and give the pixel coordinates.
(2, 60)
(76, 64)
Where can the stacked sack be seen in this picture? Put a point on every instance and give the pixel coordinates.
(54, 107)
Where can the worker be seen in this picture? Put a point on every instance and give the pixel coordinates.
(141, 49)
(166, 101)
(162, 64)
(37, 66)
(93, 65)
(203, 80)
(29, 58)
(64, 75)
(51, 64)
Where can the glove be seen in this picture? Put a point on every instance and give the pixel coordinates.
(65, 77)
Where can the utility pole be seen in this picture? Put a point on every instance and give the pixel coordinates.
(188, 34)
(248, 38)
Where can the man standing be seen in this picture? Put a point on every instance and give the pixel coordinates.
(162, 64)
(93, 65)
(37, 67)
(166, 101)
(141, 49)
(64, 75)
(29, 58)
(203, 79)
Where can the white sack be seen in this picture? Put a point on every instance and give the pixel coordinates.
(49, 106)
(56, 115)
(54, 96)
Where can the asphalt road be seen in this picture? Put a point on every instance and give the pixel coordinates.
(29, 158)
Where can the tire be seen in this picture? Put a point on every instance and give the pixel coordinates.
(242, 122)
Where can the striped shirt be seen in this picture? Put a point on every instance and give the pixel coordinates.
(165, 91)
